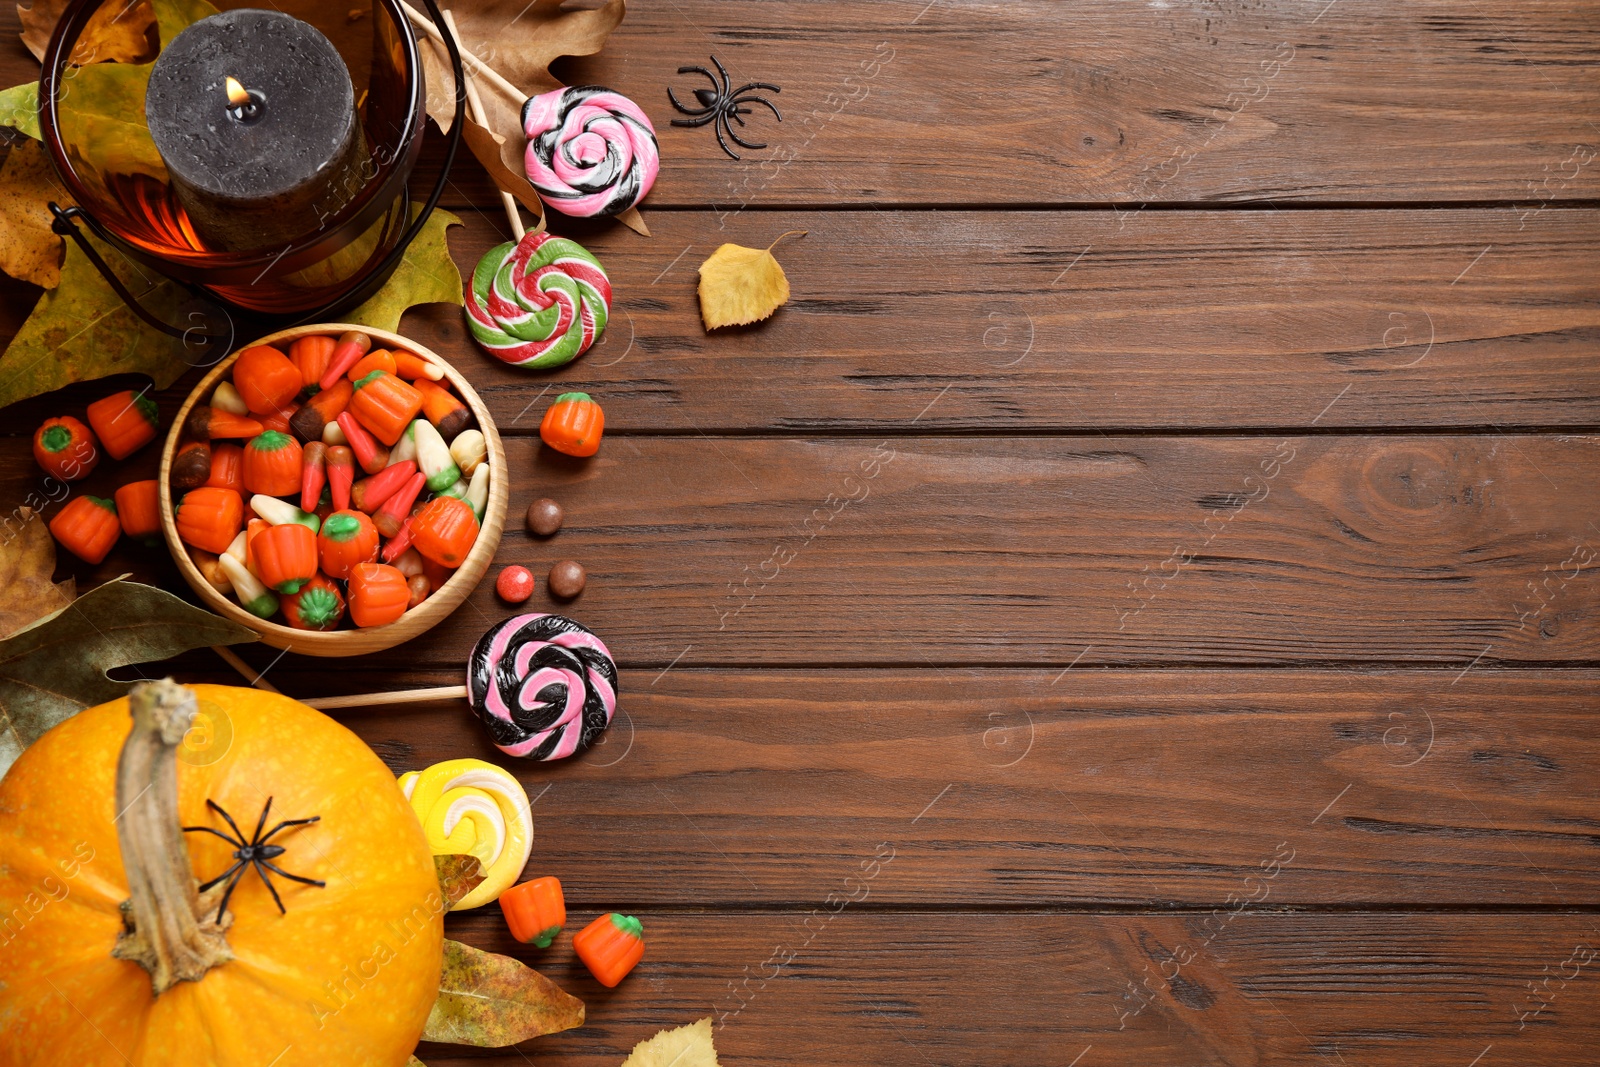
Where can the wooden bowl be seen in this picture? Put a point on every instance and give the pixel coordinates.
(371, 639)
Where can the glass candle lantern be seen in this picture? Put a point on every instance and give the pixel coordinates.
(342, 227)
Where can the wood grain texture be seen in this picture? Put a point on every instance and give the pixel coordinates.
(1050, 323)
(1238, 100)
(936, 552)
(1027, 989)
(717, 788)
(1108, 102)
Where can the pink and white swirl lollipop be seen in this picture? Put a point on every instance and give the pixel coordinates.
(542, 685)
(590, 151)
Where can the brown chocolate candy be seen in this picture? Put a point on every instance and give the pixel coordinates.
(566, 579)
(544, 517)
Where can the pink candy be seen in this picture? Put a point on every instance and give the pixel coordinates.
(590, 151)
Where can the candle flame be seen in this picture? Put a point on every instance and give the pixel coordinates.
(237, 96)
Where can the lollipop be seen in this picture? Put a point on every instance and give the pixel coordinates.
(472, 807)
(539, 302)
(542, 685)
(590, 151)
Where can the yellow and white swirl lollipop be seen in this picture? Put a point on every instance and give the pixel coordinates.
(469, 806)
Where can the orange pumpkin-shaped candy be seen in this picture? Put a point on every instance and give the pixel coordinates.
(266, 379)
(444, 531)
(272, 463)
(139, 509)
(378, 594)
(227, 467)
(346, 539)
(210, 517)
(124, 422)
(285, 556)
(345, 974)
(64, 448)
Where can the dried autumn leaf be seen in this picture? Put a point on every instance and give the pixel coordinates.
(119, 32)
(519, 41)
(82, 330)
(104, 113)
(55, 667)
(493, 1001)
(426, 275)
(27, 560)
(102, 106)
(19, 108)
(414, 1062)
(741, 285)
(29, 249)
(500, 152)
(458, 874)
(687, 1046)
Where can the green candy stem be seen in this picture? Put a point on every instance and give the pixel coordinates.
(270, 441)
(341, 527)
(319, 608)
(56, 438)
(628, 925)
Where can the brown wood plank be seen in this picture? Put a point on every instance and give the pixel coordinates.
(1177, 321)
(1135, 551)
(1035, 789)
(1028, 989)
(1366, 100)
(959, 101)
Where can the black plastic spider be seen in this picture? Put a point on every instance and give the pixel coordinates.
(257, 854)
(721, 105)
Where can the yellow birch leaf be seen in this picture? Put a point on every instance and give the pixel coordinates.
(687, 1046)
(29, 249)
(741, 285)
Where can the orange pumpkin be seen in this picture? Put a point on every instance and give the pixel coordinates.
(347, 974)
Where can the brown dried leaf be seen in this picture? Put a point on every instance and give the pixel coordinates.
(27, 559)
(740, 285)
(118, 33)
(459, 874)
(493, 1001)
(499, 152)
(56, 666)
(520, 39)
(29, 249)
(687, 1046)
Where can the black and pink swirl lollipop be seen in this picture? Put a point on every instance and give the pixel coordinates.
(542, 685)
(590, 151)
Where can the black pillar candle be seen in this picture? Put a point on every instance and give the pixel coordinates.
(276, 162)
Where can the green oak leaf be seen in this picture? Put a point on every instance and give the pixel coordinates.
(19, 108)
(426, 275)
(56, 667)
(101, 112)
(81, 330)
(494, 1001)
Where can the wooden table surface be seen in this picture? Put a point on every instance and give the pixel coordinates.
(1135, 605)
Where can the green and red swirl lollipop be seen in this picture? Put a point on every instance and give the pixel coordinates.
(539, 302)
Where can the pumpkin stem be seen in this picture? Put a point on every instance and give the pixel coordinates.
(166, 930)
